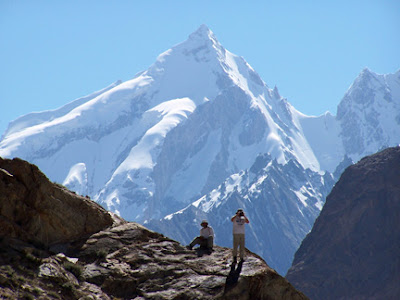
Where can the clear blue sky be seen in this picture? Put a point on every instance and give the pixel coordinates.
(52, 52)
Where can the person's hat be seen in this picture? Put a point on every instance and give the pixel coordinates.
(240, 209)
(204, 222)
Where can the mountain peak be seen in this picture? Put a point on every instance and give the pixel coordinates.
(276, 92)
(366, 75)
(203, 32)
(362, 80)
(203, 36)
(366, 72)
(202, 44)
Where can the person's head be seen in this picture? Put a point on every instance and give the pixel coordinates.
(240, 212)
(204, 223)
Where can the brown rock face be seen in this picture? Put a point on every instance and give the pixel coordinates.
(36, 210)
(142, 264)
(121, 261)
(353, 250)
(128, 261)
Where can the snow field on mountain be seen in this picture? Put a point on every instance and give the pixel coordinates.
(106, 107)
(167, 115)
(77, 179)
(36, 118)
(325, 142)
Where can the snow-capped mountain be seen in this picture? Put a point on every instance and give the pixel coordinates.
(199, 122)
(369, 113)
(368, 120)
(123, 144)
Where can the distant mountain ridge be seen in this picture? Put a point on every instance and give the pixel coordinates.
(36, 118)
(368, 120)
(198, 117)
(369, 113)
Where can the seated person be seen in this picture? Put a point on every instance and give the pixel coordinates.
(206, 238)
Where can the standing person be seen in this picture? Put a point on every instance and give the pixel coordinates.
(239, 219)
(206, 238)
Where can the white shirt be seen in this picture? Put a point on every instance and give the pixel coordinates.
(238, 225)
(206, 232)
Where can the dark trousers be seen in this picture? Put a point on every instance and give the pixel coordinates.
(203, 242)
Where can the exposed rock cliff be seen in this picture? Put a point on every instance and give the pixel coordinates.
(57, 245)
(34, 209)
(353, 250)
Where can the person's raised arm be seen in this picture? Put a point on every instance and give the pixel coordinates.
(245, 218)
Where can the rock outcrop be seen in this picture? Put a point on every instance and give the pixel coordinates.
(353, 250)
(57, 245)
(36, 210)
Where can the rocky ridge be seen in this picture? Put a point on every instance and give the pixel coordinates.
(352, 251)
(34, 209)
(58, 245)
